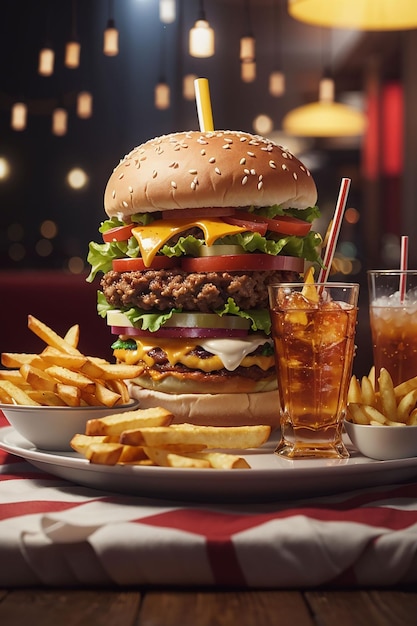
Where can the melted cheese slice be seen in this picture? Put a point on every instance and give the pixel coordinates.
(152, 237)
(227, 353)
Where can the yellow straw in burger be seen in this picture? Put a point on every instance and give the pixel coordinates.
(202, 97)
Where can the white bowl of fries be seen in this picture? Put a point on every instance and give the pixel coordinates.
(50, 396)
(383, 443)
(52, 427)
(382, 419)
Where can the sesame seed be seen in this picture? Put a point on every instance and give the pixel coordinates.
(226, 146)
(113, 194)
(242, 161)
(216, 169)
(125, 204)
(244, 180)
(173, 184)
(285, 155)
(284, 167)
(130, 189)
(228, 140)
(302, 168)
(242, 139)
(260, 177)
(154, 174)
(127, 163)
(295, 175)
(246, 171)
(121, 176)
(253, 172)
(212, 160)
(273, 165)
(260, 185)
(192, 171)
(251, 154)
(203, 152)
(174, 164)
(193, 185)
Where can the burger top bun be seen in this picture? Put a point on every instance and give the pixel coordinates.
(203, 169)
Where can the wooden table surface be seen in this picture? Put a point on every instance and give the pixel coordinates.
(46, 607)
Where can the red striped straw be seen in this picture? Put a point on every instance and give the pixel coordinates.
(403, 267)
(334, 231)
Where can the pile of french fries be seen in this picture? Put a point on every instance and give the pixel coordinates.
(388, 405)
(149, 437)
(61, 375)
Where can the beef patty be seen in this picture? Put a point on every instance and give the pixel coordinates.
(204, 292)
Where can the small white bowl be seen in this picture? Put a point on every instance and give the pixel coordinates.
(53, 427)
(383, 442)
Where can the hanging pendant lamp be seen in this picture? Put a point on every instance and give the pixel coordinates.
(356, 14)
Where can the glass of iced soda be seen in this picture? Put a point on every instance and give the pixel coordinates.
(393, 318)
(313, 328)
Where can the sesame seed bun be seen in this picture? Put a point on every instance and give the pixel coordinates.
(194, 169)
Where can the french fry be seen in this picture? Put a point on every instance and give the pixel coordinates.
(46, 398)
(104, 453)
(403, 388)
(81, 442)
(18, 396)
(38, 379)
(170, 459)
(371, 376)
(211, 436)
(354, 392)
(105, 396)
(70, 394)
(406, 405)
(120, 422)
(53, 356)
(67, 376)
(412, 419)
(72, 335)
(219, 460)
(387, 395)
(14, 376)
(110, 371)
(356, 413)
(367, 392)
(15, 359)
(374, 415)
(49, 336)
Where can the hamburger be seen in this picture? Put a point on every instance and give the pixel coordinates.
(199, 224)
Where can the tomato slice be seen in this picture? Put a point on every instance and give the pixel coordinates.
(246, 221)
(250, 262)
(119, 233)
(137, 264)
(180, 332)
(198, 213)
(288, 225)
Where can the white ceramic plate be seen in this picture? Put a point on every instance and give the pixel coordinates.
(271, 478)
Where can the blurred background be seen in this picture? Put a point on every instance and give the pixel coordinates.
(63, 128)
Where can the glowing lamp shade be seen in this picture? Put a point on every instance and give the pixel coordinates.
(46, 62)
(247, 49)
(248, 71)
(201, 40)
(360, 15)
(111, 40)
(167, 11)
(277, 84)
(324, 119)
(162, 96)
(19, 116)
(84, 105)
(59, 122)
(72, 54)
(188, 89)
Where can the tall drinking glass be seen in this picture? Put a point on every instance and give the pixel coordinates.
(313, 327)
(393, 318)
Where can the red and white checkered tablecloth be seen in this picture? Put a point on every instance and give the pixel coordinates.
(56, 533)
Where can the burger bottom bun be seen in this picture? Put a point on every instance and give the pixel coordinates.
(220, 409)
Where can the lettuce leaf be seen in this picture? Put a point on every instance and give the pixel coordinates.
(260, 319)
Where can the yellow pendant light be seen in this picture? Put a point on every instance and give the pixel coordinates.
(356, 14)
(325, 118)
